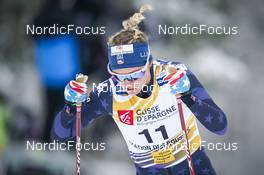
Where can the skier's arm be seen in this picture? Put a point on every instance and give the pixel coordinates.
(204, 108)
(64, 122)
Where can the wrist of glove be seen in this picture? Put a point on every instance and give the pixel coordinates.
(70, 108)
(188, 98)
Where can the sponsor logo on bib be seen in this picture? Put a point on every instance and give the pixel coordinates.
(126, 116)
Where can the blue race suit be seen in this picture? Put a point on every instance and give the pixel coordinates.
(151, 126)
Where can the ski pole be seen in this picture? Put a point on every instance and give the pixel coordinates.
(188, 152)
(78, 138)
(82, 79)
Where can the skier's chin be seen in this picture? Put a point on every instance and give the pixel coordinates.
(133, 91)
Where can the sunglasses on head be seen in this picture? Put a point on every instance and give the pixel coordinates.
(131, 76)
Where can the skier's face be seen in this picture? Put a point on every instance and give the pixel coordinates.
(133, 87)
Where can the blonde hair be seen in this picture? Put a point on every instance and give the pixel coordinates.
(130, 32)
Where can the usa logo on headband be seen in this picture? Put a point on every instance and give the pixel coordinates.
(120, 59)
(144, 54)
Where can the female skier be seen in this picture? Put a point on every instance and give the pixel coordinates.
(149, 99)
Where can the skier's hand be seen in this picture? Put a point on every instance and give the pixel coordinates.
(76, 90)
(178, 80)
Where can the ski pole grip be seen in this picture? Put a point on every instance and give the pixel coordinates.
(81, 78)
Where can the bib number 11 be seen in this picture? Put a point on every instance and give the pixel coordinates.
(161, 129)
